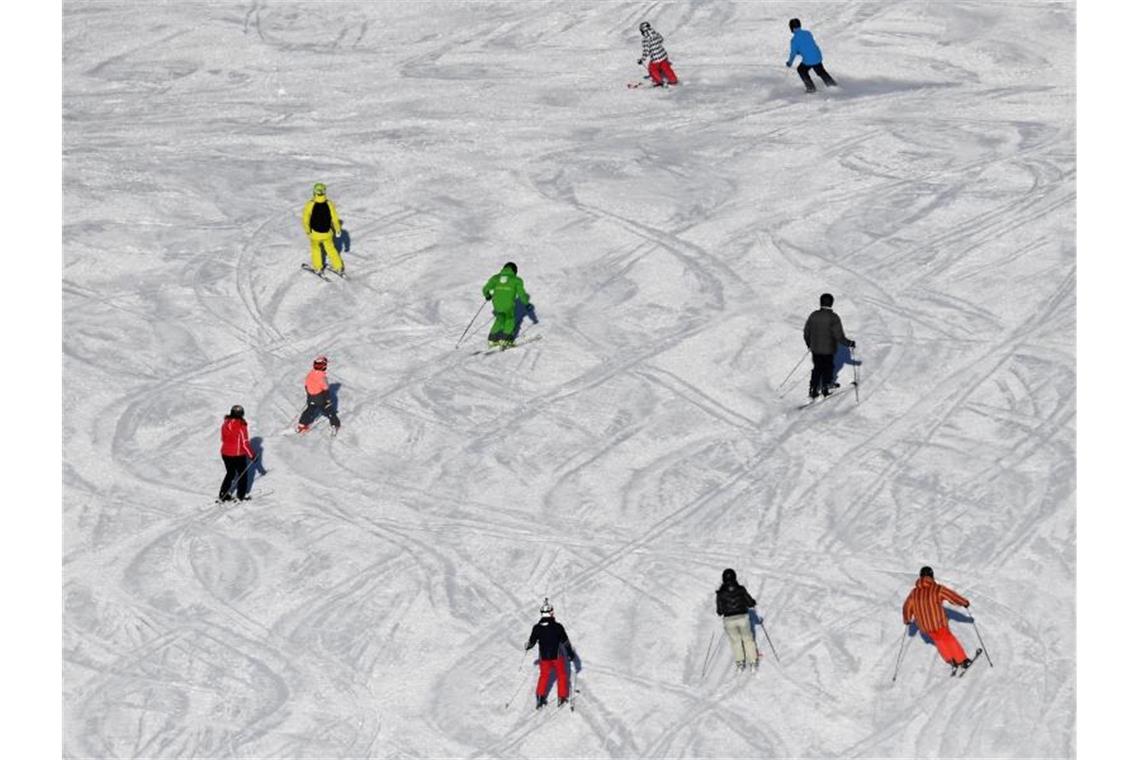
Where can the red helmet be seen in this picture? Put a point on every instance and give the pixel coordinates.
(321, 362)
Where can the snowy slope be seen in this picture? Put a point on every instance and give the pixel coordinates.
(374, 597)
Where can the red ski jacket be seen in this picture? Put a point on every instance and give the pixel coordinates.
(235, 438)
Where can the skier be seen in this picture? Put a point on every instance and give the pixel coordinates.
(653, 51)
(733, 603)
(923, 607)
(236, 454)
(503, 290)
(554, 651)
(318, 401)
(811, 58)
(823, 334)
(320, 223)
(842, 357)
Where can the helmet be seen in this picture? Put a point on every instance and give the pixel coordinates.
(826, 299)
(794, 24)
(926, 572)
(321, 362)
(643, 27)
(729, 575)
(511, 266)
(237, 411)
(547, 609)
(319, 188)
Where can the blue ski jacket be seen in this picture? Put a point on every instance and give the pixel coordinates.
(803, 45)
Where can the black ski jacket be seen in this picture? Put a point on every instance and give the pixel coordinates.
(823, 332)
(550, 635)
(733, 600)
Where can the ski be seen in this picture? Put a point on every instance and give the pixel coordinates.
(500, 349)
(249, 497)
(828, 397)
(966, 667)
(321, 274)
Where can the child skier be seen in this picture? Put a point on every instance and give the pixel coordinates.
(553, 652)
(923, 607)
(236, 454)
(320, 223)
(318, 401)
(503, 290)
(811, 58)
(733, 603)
(653, 52)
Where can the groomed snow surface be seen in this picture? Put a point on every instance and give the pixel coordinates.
(374, 597)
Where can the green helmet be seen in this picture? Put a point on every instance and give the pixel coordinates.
(319, 188)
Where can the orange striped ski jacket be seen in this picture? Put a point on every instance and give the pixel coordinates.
(924, 605)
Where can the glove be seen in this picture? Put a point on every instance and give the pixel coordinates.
(640, 61)
(967, 605)
(788, 64)
(486, 298)
(852, 344)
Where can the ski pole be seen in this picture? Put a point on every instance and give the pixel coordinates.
(515, 693)
(789, 377)
(464, 335)
(765, 630)
(902, 650)
(856, 368)
(984, 650)
(708, 653)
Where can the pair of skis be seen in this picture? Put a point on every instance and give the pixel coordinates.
(829, 396)
(500, 349)
(321, 273)
(960, 670)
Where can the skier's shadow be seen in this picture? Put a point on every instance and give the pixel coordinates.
(257, 467)
(343, 244)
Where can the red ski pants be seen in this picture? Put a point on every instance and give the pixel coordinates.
(545, 668)
(948, 646)
(658, 69)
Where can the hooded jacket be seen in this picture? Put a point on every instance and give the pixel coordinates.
(924, 605)
(733, 599)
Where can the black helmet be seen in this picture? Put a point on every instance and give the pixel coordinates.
(643, 27)
(794, 24)
(511, 266)
(237, 411)
(729, 575)
(926, 572)
(826, 300)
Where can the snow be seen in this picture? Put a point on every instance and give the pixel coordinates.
(373, 599)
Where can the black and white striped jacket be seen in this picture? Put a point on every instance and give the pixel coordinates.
(653, 47)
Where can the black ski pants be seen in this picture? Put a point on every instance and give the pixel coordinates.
(237, 469)
(318, 404)
(803, 69)
(821, 368)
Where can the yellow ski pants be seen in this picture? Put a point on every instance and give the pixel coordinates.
(315, 240)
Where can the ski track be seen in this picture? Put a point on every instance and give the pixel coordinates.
(374, 597)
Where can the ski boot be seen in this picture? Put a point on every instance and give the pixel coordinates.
(562, 701)
(540, 702)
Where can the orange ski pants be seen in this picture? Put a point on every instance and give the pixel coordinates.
(948, 646)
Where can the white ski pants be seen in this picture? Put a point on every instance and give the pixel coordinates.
(740, 638)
